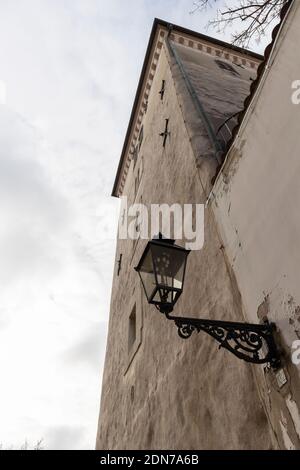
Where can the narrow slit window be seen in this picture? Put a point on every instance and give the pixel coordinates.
(119, 264)
(132, 329)
(162, 90)
(141, 136)
(135, 156)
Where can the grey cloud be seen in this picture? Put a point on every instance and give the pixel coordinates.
(74, 73)
(4, 319)
(24, 187)
(24, 184)
(33, 212)
(64, 437)
(90, 350)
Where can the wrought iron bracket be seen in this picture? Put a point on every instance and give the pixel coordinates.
(250, 342)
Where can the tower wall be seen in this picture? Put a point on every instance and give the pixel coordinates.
(159, 391)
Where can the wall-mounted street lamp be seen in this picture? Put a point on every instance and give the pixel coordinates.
(162, 270)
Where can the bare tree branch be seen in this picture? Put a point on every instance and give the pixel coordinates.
(25, 446)
(255, 16)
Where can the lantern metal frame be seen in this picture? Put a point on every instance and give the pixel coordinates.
(250, 342)
(163, 305)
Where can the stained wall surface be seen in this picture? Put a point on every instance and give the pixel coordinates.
(159, 391)
(256, 201)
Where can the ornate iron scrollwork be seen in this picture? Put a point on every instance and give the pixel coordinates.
(250, 342)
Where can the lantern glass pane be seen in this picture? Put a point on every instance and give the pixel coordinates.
(169, 264)
(147, 275)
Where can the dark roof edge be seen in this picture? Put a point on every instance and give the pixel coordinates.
(204, 37)
(158, 22)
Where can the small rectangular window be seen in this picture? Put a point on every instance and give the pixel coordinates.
(132, 329)
(133, 326)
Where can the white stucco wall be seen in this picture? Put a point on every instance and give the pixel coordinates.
(256, 201)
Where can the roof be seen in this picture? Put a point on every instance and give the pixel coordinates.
(158, 23)
(220, 86)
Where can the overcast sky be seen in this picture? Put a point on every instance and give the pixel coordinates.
(68, 74)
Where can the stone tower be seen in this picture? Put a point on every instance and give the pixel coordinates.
(159, 391)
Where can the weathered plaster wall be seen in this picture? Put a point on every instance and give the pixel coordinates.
(171, 393)
(256, 200)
